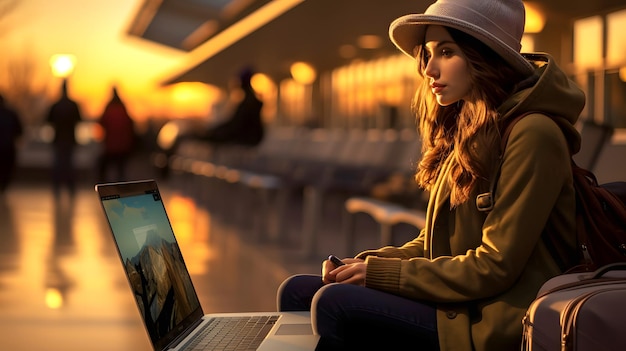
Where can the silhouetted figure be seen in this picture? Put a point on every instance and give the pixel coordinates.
(245, 127)
(64, 115)
(119, 139)
(10, 131)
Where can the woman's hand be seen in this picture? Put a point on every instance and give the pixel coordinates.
(353, 272)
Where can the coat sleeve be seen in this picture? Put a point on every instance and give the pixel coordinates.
(536, 169)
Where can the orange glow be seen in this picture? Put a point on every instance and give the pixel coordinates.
(262, 84)
(193, 99)
(167, 135)
(588, 42)
(181, 211)
(94, 33)
(615, 39)
(191, 226)
(535, 18)
(528, 43)
(265, 87)
(370, 41)
(54, 298)
(303, 73)
(62, 65)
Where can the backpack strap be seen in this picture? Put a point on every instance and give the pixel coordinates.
(485, 201)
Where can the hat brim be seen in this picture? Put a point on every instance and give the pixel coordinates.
(408, 32)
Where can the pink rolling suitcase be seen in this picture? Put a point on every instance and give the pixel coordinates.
(579, 311)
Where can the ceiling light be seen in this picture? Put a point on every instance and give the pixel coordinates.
(303, 73)
(369, 41)
(535, 18)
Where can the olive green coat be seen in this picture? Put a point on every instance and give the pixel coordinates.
(482, 269)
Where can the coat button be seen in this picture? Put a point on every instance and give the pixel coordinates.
(451, 314)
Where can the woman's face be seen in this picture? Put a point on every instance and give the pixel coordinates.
(445, 67)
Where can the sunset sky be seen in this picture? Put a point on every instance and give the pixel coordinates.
(94, 31)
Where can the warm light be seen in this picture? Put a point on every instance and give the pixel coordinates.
(261, 83)
(369, 41)
(266, 88)
(622, 74)
(192, 99)
(186, 92)
(303, 73)
(181, 211)
(347, 51)
(167, 135)
(62, 65)
(588, 34)
(528, 43)
(192, 226)
(291, 98)
(535, 19)
(615, 39)
(54, 299)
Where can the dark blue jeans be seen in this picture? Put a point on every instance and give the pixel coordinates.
(351, 317)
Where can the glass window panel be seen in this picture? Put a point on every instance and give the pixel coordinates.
(588, 43)
(616, 39)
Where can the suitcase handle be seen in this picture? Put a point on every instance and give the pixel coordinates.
(620, 266)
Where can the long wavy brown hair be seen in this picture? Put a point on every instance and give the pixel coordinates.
(467, 131)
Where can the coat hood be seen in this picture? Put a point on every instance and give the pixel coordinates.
(551, 92)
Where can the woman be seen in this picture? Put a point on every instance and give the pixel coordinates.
(465, 282)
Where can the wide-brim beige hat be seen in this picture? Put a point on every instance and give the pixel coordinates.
(497, 23)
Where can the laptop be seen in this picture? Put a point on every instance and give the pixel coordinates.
(162, 286)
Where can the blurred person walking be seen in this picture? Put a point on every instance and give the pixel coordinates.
(119, 139)
(63, 116)
(10, 131)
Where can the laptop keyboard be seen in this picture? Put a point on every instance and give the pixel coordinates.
(232, 333)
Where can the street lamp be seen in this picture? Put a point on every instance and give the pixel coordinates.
(62, 65)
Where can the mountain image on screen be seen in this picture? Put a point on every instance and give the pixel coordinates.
(160, 284)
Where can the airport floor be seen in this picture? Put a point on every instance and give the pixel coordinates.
(62, 286)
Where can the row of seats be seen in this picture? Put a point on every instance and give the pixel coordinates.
(599, 147)
(370, 165)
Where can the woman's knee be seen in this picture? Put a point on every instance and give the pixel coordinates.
(328, 305)
(284, 290)
(335, 295)
(296, 292)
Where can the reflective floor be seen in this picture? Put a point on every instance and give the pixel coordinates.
(62, 286)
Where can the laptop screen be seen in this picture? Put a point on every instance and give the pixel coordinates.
(152, 259)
